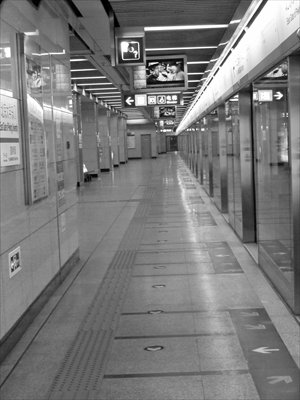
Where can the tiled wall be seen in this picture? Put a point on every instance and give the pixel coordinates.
(46, 231)
(139, 130)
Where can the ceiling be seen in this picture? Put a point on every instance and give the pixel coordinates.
(155, 13)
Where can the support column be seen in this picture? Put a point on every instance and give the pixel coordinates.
(89, 135)
(78, 136)
(122, 138)
(105, 140)
(114, 133)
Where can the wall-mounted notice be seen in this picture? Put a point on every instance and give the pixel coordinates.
(9, 132)
(37, 150)
(60, 184)
(130, 140)
(14, 262)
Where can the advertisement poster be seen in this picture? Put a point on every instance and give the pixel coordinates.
(37, 77)
(37, 150)
(9, 132)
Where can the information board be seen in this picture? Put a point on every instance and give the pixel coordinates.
(37, 150)
(9, 132)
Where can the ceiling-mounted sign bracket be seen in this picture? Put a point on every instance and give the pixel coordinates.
(130, 46)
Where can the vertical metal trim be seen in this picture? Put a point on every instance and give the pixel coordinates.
(246, 159)
(24, 116)
(294, 117)
(210, 156)
(223, 158)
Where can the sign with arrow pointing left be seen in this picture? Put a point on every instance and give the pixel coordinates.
(129, 100)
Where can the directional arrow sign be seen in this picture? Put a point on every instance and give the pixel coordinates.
(265, 350)
(278, 379)
(255, 327)
(278, 95)
(129, 101)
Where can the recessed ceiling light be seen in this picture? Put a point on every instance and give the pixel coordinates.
(184, 27)
(78, 59)
(181, 48)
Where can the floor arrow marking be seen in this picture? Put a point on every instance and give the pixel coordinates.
(255, 327)
(265, 350)
(278, 379)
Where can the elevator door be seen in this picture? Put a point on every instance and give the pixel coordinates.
(146, 146)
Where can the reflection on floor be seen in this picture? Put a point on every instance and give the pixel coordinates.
(166, 304)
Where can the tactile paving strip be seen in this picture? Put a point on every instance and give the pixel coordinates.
(80, 374)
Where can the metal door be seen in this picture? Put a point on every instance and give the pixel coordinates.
(146, 146)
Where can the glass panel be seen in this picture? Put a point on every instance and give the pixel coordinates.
(10, 121)
(234, 165)
(216, 158)
(273, 174)
(205, 134)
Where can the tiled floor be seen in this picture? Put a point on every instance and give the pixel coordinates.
(165, 304)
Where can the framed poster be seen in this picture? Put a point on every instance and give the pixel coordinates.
(37, 150)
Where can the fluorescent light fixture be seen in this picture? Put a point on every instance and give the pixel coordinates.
(83, 70)
(183, 27)
(181, 48)
(223, 43)
(234, 21)
(197, 62)
(193, 80)
(168, 93)
(117, 96)
(51, 53)
(92, 77)
(195, 73)
(78, 59)
(101, 93)
(93, 89)
(34, 33)
(90, 84)
(117, 90)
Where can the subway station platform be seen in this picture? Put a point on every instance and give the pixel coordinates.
(166, 303)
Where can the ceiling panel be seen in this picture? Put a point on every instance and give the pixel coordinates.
(173, 12)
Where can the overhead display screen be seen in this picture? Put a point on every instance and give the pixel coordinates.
(166, 72)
